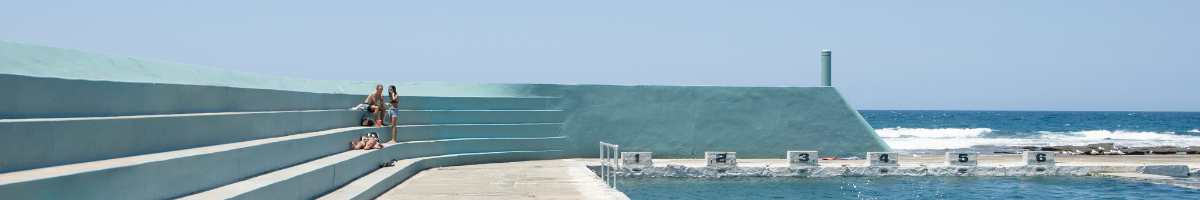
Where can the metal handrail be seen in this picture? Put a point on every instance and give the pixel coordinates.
(609, 163)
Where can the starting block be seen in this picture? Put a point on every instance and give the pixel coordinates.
(962, 158)
(636, 160)
(1038, 157)
(883, 159)
(720, 158)
(802, 158)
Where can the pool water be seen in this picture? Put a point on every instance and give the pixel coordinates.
(899, 188)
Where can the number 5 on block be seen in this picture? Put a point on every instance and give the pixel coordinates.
(962, 158)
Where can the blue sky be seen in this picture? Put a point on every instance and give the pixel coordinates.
(940, 55)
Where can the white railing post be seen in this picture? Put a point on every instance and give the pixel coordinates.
(609, 163)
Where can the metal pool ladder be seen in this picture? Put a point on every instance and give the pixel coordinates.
(609, 163)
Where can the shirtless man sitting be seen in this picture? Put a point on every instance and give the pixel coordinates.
(372, 105)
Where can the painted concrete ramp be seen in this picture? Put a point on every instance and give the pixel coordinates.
(546, 179)
(311, 179)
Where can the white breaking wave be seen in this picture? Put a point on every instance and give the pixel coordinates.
(951, 138)
(1115, 135)
(1194, 131)
(931, 133)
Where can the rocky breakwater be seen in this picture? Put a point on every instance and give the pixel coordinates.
(1111, 149)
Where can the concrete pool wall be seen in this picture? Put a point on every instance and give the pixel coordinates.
(685, 121)
(102, 124)
(672, 121)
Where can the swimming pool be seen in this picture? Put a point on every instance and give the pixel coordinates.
(898, 188)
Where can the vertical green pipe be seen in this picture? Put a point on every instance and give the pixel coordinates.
(825, 71)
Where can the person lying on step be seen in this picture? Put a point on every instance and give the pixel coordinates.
(367, 142)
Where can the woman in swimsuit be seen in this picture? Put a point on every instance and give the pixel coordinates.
(393, 111)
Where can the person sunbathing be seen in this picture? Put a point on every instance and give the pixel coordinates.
(367, 142)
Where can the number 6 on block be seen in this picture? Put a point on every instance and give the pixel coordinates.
(1038, 157)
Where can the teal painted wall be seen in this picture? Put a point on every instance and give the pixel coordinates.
(671, 121)
(685, 121)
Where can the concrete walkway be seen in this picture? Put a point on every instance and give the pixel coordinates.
(543, 179)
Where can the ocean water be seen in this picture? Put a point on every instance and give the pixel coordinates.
(899, 188)
(911, 129)
(907, 130)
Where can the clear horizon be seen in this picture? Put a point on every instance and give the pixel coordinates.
(940, 55)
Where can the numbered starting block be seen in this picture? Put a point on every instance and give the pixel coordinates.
(1038, 157)
(720, 158)
(883, 159)
(962, 158)
(636, 160)
(802, 158)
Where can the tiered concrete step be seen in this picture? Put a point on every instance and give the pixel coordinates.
(46, 142)
(60, 141)
(41, 97)
(476, 103)
(379, 181)
(178, 173)
(311, 179)
(417, 117)
(175, 173)
(44, 97)
(120, 140)
(454, 131)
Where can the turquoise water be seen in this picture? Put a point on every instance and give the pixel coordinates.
(898, 188)
(922, 129)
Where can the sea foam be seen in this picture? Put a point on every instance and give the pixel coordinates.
(931, 133)
(952, 138)
(1116, 135)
